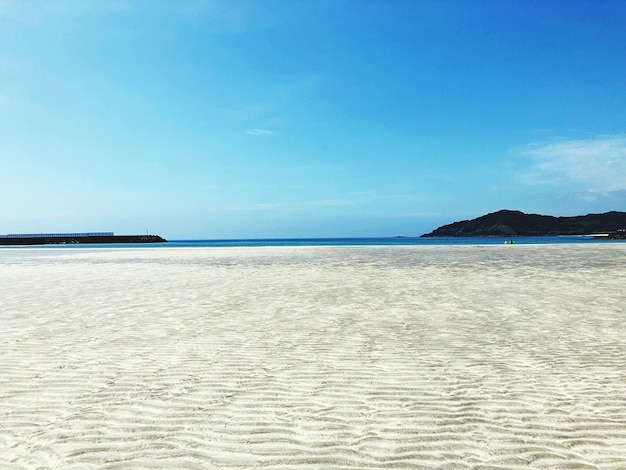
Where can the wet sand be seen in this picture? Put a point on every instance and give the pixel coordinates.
(314, 357)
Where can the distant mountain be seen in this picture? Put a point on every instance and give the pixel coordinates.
(510, 223)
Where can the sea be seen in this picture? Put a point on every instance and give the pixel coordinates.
(372, 241)
(364, 241)
(386, 241)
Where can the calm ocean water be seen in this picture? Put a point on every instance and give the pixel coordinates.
(384, 241)
(391, 241)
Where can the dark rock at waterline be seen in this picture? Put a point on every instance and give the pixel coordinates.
(617, 235)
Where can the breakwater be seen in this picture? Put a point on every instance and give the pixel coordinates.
(76, 238)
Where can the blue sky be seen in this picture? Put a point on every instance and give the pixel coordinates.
(293, 118)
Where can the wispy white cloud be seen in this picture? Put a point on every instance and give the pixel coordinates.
(302, 204)
(597, 166)
(259, 132)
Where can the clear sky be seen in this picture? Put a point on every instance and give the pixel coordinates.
(304, 118)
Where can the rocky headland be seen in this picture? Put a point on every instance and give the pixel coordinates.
(509, 223)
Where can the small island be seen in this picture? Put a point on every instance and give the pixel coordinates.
(509, 223)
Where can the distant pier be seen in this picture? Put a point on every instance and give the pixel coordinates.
(75, 238)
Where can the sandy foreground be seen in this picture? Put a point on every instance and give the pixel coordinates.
(318, 357)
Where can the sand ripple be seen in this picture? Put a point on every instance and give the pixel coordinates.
(368, 357)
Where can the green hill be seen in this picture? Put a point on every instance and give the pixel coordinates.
(510, 223)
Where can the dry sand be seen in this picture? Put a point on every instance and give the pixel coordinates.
(319, 357)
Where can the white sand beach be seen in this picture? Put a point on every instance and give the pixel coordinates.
(314, 357)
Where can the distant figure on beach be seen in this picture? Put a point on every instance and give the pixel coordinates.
(509, 242)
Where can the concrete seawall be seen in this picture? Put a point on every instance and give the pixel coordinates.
(79, 239)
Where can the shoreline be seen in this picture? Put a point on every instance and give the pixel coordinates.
(340, 242)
